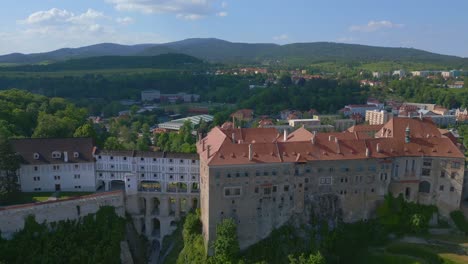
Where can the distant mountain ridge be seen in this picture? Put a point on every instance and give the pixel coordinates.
(216, 50)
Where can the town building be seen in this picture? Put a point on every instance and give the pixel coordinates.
(243, 115)
(150, 95)
(376, 117)
(262, 179)
(349, 110)
(55, 164)
(461, 115)
(176, 124)
(399, 73)
(303, 122)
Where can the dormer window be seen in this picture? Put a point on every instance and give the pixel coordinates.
(76, 154)
(36, 156)
(56, 154)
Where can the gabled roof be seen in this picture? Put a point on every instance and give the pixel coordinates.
(44, 147)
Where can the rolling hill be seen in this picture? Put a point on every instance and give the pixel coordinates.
(216, 50)
(162, 61)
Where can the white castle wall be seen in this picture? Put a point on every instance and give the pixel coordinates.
(12, 217)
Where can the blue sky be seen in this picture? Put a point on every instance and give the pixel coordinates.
(35, 26)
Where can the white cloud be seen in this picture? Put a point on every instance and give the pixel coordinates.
(184, 9)
(281, 37)
(52, 15)
(222, 14)
(373, 26)
(125, 20)
(56, 28)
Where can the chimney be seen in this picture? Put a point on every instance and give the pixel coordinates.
(312, 139)
(407, 134)
(250, 152)
(65, 156)
(367, 152)
(338, 149)
(285, 135)
(420, 116)
(208, 150)
(330, 138)
(378, 148)
(233, 138)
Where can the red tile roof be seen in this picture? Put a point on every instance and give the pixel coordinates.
(268, 146)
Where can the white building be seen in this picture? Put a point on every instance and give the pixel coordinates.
(178, 123)
(399, 73)
(150, 95)
(155, 171)
(375, 117)
(377, 75)
(305, 122)
(56, 164)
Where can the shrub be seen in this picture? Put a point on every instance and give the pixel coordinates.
(460, 221)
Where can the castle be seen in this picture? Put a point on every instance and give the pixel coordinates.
(259, 177)
(262, 179)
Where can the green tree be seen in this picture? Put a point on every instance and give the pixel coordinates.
(85, 130)
(226, 245)
(112, 143)
(9, 164)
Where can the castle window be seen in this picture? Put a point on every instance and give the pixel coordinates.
(256, 190)
(424, 187)
(111, 157)
(76, 154)
(193, 161)
(99, 157)
(170, 160)
(453, 175)
(307, 170)
(372, 168)
(441, 188)
(442, 174)
(181, 161)
(286, 188)
(275, 188)
(35, 168)
(237, 174)
(77, 176)
(306, 180)
(36, 156)
(267, 191)
(452, 189)
(56, 155)
(426, 172)
(427, 162)
(246, 174)
(265, 173)
(331, 169)
(273, 173)
(326, 181)
(455, 165)
(124, 158)
(229, 175)
(55, 167)
(257, 173)
(142, 159)
(142, 175)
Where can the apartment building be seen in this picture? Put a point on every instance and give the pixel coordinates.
(376, 117)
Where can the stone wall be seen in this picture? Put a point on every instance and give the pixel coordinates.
(12, 217)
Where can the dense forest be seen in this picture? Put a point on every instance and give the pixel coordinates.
(92, 239)
(23, 114)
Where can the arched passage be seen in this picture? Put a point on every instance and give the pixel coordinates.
(183, 206)
(424, 187)
(117, 185)
(156, 228)
(100, 185)
(194, 203)
(156, 204)
(172, 206)
(142, 205)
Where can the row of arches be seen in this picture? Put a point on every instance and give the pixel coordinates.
(170, 206)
